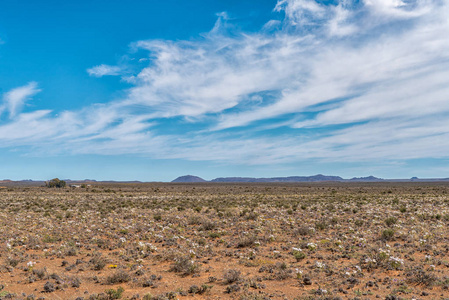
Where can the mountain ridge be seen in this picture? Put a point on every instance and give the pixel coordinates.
(313, 178)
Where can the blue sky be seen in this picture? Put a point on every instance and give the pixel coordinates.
(151, 90)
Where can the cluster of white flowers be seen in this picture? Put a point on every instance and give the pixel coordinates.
(370, 260)
(396, 262)
(311, 246)
(122, 240)
(31, 264)
(387, 251)
(319, 265)
(323, 291)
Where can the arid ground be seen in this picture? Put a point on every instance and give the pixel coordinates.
(225, 241)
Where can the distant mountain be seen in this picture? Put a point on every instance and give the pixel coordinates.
(189, 178)
(314, 178)
(366, 179)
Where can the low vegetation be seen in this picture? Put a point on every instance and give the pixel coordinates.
(239, 241)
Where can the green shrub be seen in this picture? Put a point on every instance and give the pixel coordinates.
(55, 182)
(299, 255)
(391, 221)
(388, 234)
(115, 294)
(321, 225)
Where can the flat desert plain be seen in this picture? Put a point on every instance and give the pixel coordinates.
(225, 241)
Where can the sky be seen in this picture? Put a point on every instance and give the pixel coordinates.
(152, 90)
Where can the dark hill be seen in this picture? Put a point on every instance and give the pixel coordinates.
(189, 178)
(315, 178)
(367, 179)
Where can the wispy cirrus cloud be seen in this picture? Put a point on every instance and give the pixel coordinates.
(351, 81)
(15, 99)
(104, 70)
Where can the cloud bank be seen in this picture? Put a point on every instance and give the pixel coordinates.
(352, 81)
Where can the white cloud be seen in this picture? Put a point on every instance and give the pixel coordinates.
(104, 70)
(14, 100)
(340, 24)
(301, 12)
(376, 69)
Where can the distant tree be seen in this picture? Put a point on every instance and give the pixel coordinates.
(55, 182)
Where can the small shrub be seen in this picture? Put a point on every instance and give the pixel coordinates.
(207, 226)
(214, 235)
(12, 262)
(321, 225)
(252, 216)
(148, 297)
(246, 241)
(71, 251)
(194, 289)
(97, 262)
(231, 276)
(303, 231)
(118, 277)
(115, 294)
(195, 220)
(49, 287)
(40, 273)
(299, 255)
(185, 265)
(419, 277)
(232, 288)
(75, 282)
(388, 234)
(391, 221)
(359, 223)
